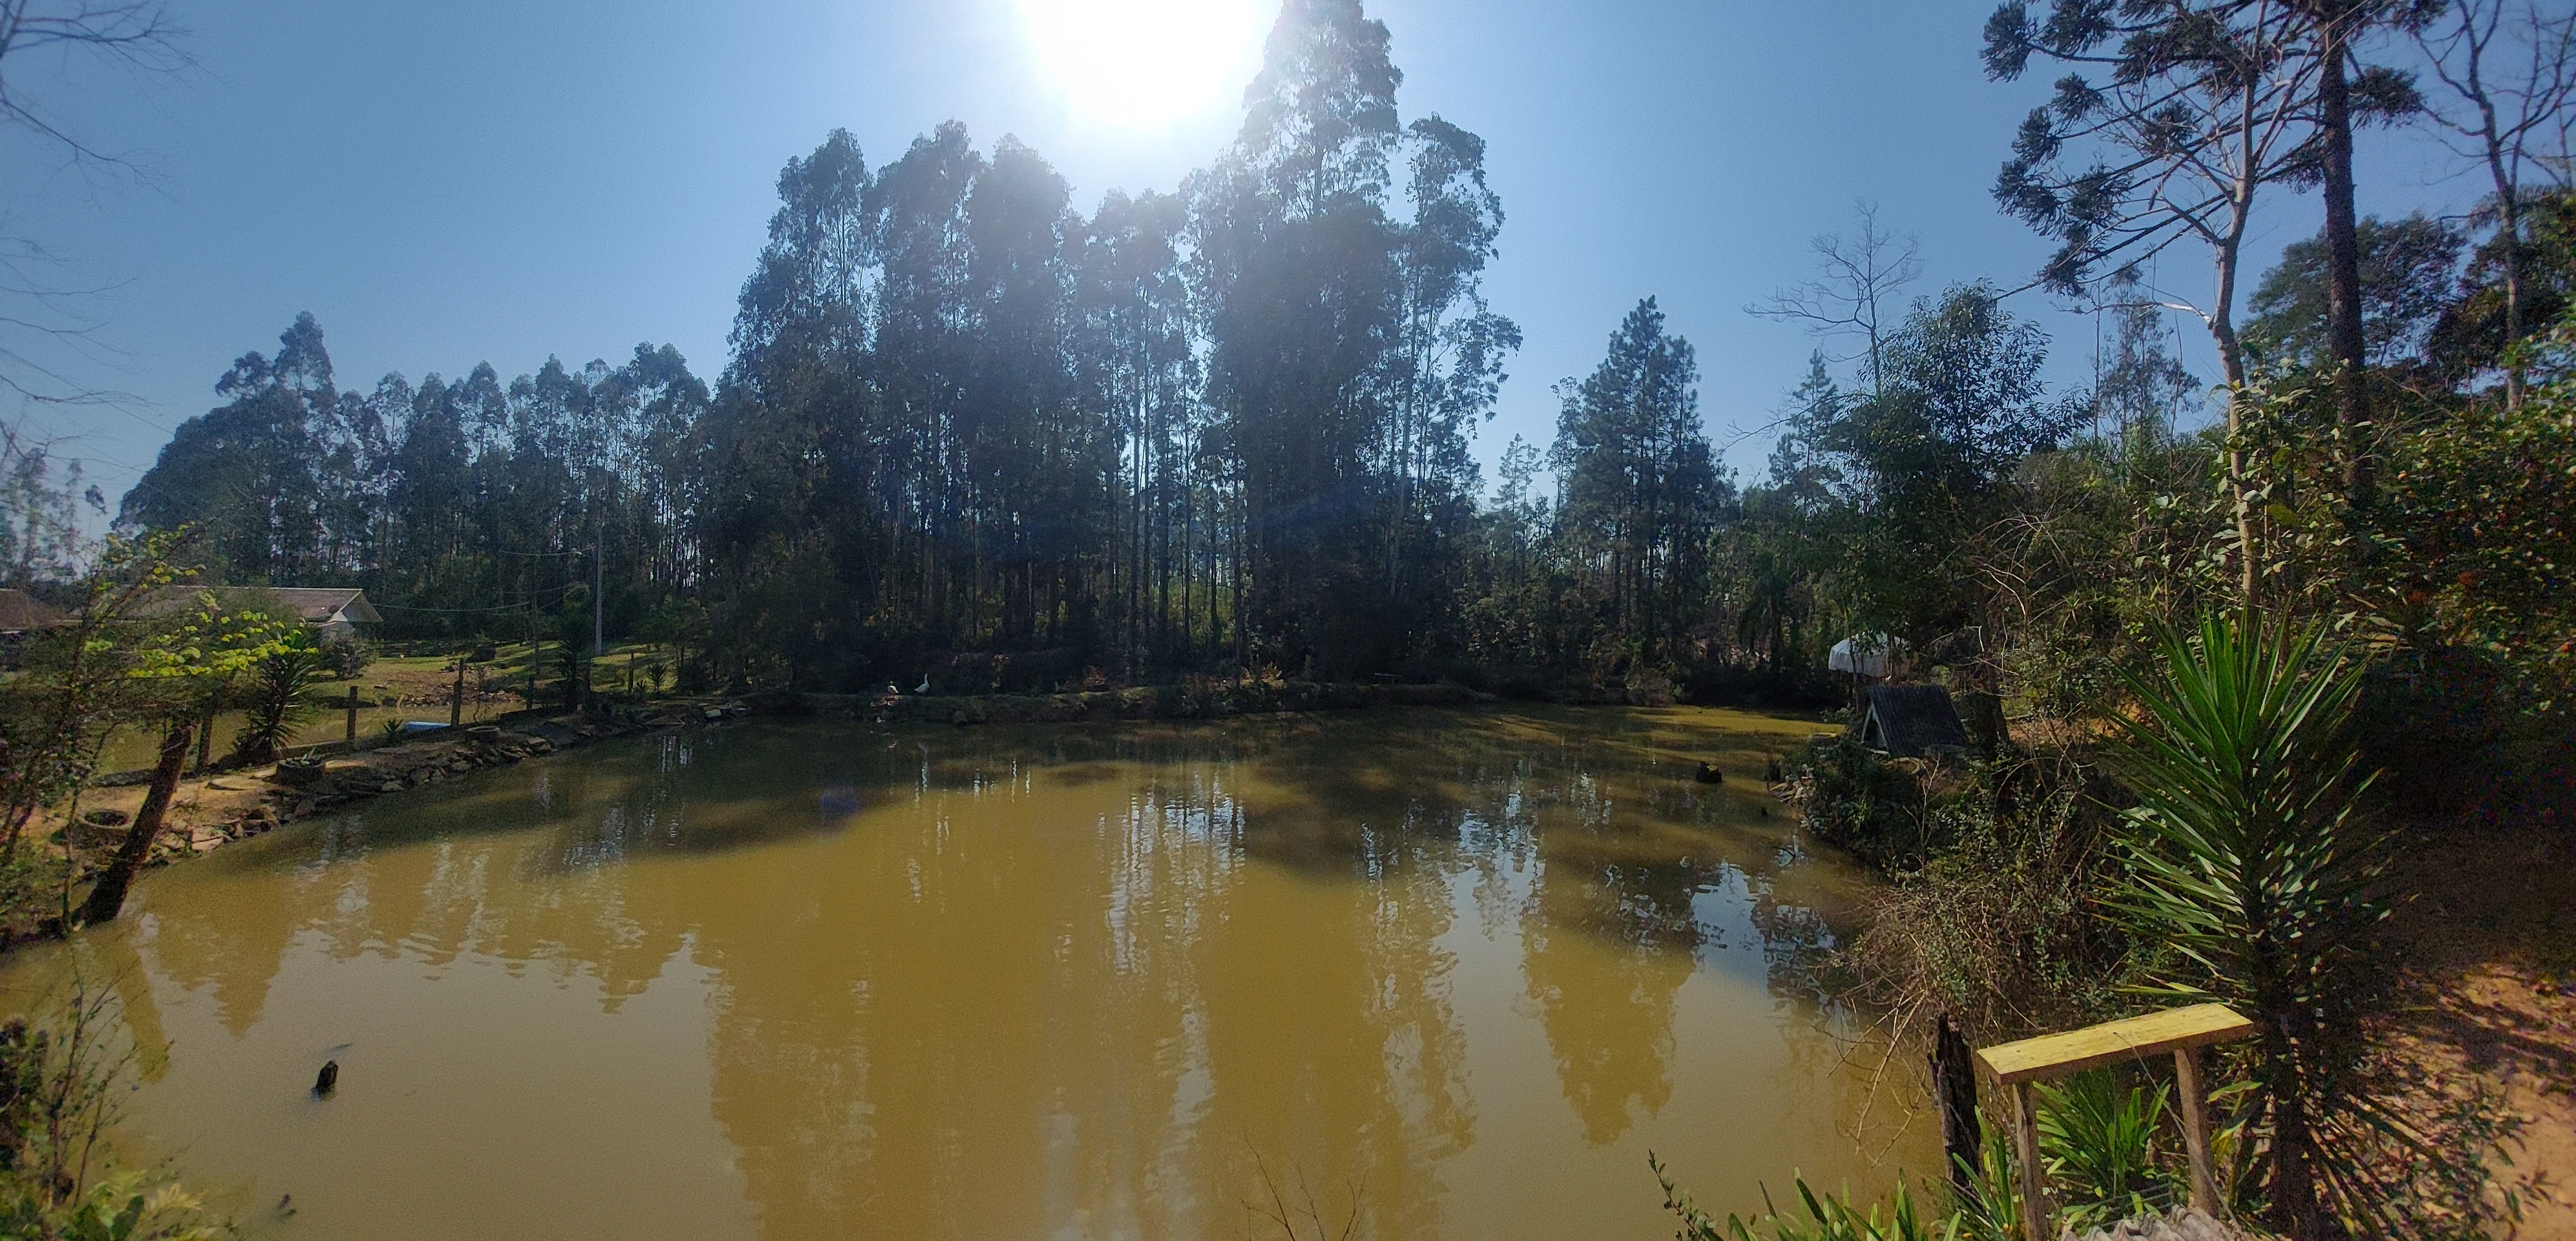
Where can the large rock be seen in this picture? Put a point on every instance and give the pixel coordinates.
(2187, 1224)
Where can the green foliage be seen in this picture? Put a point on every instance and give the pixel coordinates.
(2478, 543)
(2409, 273)
(278, 698)
(2246, 864)
(1926, 463)
(1857, 798)
(347, 659)
(1828, 1217)
(2100, 1140)
(1998, 926)
(61, 1080)
(1991, 1209)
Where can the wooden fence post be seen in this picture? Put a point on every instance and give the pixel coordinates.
(1954, 1086)
(2034, 1199)
(2195, 1128)
(353, 713)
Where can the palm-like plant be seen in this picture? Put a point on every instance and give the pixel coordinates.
(2245, 862)
(279, 699)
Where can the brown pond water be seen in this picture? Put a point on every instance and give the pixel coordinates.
(1455, 971)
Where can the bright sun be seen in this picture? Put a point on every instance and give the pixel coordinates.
(1145, 63)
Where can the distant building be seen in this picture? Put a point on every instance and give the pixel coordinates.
(22, 613)
(334, 612)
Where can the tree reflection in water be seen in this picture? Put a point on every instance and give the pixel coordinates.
(1070, 981)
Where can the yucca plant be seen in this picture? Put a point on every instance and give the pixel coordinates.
(2245, 862)
(279, 699)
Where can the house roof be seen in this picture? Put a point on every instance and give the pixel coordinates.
(321, 604)
(1906, 720)
(20, 612)
(315, 605)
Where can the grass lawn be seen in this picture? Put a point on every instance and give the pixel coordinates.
(413, 682)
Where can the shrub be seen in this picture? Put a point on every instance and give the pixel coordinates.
(60, 1084)
(1852, 796)
(347, 659)
(2101, 1143)
(1998, 929)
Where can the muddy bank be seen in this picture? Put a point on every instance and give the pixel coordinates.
(212, 810)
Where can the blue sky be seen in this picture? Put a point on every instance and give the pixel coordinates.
(443, 184)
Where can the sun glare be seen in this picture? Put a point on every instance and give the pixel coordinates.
(1145, 63)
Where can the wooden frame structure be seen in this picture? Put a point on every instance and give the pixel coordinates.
(2181, 1032)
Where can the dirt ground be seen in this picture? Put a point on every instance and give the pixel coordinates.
(2492, 940)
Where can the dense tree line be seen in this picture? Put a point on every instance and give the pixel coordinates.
(1228, 427)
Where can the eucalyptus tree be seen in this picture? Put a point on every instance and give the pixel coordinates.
(1043, 468)
(249, 470)
(1448, 369)
(1136, 355)
(795, 459)
(921, 341)
(667, 405)
(1350, 351)
(1299, 268)
(2143, 386)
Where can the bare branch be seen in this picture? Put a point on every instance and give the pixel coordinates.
(1861, 275)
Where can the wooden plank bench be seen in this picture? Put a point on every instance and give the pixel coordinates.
(2181, 1032)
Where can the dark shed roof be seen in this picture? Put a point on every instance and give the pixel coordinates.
(1906, 720)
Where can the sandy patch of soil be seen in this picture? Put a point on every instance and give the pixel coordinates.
(2492, 939)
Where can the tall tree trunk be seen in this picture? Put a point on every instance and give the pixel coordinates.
(2343, 256)
(2509, 227)
(2512, 224)
(2228, 251)
(107, 899)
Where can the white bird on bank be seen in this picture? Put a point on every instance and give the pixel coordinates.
(924, 687)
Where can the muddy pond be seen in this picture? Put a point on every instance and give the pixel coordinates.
(1449, 974)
